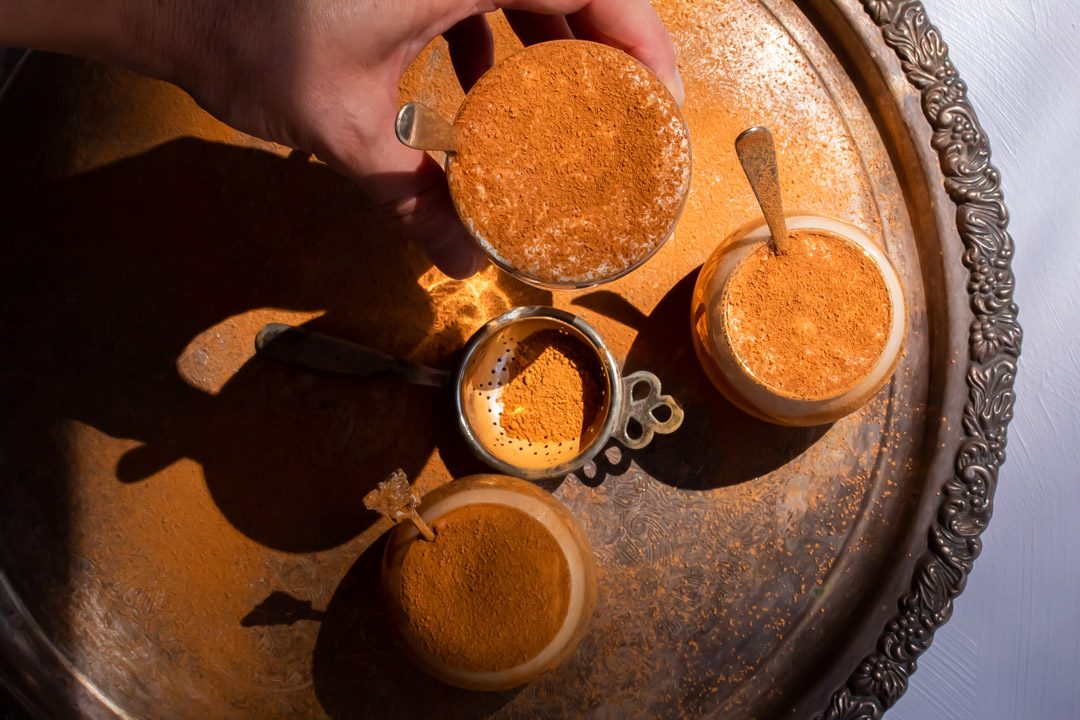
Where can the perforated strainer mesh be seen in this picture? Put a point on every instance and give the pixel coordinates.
(506, 394)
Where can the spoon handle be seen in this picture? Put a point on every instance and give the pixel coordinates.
(300, 346)
(422, 128)
(757, 155)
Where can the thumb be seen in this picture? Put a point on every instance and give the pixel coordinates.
(409, 185)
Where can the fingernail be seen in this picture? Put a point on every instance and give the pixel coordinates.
(678, 91)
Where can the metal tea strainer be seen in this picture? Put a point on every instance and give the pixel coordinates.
(631, 409)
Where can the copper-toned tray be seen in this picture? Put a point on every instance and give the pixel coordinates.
(182, 531)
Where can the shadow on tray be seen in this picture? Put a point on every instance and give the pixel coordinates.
(131, 288)
(718, 444)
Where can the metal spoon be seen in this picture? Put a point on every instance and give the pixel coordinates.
(422, 128)
(300, 346)
(394, 499)
(758, 158)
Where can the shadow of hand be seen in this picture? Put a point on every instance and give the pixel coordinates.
(139, 287)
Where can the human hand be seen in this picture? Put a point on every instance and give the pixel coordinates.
(322, 76)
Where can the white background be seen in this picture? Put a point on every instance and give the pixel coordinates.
(1012, 649)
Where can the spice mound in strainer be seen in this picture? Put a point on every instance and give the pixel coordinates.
(539, 398)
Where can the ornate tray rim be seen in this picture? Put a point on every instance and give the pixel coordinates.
(972, 186)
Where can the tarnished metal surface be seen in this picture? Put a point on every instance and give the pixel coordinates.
(182, 527)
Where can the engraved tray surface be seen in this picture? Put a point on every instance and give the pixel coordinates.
(182, 527)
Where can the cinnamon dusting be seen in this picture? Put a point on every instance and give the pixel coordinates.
(574, 162)
(809, 323)
(490, 593)
(554, 392)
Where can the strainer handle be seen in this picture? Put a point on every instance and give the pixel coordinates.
(637, 420)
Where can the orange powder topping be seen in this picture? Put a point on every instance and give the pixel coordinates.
(554, 391)
(810, 323)
(490, 593)
(573, 162)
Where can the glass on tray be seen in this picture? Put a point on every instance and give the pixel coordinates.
(807, 372)
(505, 591)
(569, 162)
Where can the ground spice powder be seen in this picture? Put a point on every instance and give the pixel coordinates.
(490, 593)
(812, 322)
(573, 162)
(553, 392)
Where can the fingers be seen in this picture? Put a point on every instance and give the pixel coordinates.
(472, 50)
(532, 28)
(630, 25)
(427, 215)
(407, 183)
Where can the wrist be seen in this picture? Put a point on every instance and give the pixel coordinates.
(133, 33)
(146, 36)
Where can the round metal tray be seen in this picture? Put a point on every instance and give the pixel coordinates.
(181, 532)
